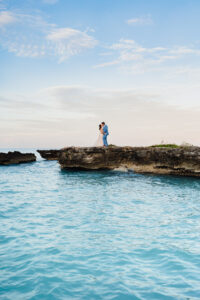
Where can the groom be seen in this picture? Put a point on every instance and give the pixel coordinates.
(105, 134)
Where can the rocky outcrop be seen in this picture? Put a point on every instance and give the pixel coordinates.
(49, 154)
(16, 157)
(178, 161)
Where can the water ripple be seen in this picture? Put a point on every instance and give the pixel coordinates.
(99, 235)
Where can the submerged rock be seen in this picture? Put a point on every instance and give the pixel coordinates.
(157, 160)
(49, 154)
(16, 157)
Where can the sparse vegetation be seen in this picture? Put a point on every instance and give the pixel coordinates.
(165, 146)
(162, 145)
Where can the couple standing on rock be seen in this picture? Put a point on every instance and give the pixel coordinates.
(103, 134)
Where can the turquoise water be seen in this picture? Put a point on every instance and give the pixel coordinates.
(97, 235)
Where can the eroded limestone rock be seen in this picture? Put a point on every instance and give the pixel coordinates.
(49, 154)
(157, 160)
(16, 157)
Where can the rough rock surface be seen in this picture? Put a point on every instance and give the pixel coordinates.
(16, 157)
(178, 161)
(49, 154)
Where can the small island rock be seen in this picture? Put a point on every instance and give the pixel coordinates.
(49, 154)
(157, 160)
(16, 157)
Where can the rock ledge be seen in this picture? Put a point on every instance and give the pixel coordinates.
(49, 154)
(178, 161)
(16, 157)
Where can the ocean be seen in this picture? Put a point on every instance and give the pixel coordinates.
(97, 235)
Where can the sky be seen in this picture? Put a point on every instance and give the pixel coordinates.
(66, 66)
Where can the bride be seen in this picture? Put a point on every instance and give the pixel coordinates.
(99, 142)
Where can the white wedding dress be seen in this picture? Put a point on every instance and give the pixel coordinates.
(99, 142)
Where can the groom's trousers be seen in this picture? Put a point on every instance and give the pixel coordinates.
(105, 140)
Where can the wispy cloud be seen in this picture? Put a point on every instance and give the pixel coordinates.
(6, 18)
(136, 58)
(69, 41)
(57, 121)
(147, 20)
(39, 38)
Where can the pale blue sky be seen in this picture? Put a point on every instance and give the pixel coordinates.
(67, 65)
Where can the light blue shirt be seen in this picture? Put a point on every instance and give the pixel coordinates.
(105, 129)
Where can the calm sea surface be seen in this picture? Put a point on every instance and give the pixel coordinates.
(97, 235)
